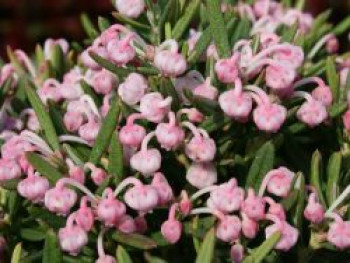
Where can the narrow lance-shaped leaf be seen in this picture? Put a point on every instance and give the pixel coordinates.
(206, 251)
(264, 249)
(131, 22)
(57, 61)
(52, 251)
(120, 72)
(262, 163)
(183, 23)
(342, 27)
(43, 117)
(135, 240)
(16, 254)
(44, 167)
(218, 29)
(333, 174)
(123, 256)
(116, 159)
(32, 234)
(300, 205)
(315, 175)
(332, 77)
(103, 23)
(89, 28)
(104, 136)
(167, 14)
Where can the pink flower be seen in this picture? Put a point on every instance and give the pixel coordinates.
(323, 94)
(109, 209)
(237, 253)
(235, 103)
(142, 198)
(201, 175)
(133, 89)
(278, 181)
(130, 8)
(169, 135)
(51, 43)
(289, 234)
(250, 227)
(339, 233)
(227, 69)
(126, 224)
(312, 112)
(9, 169)
(33, 187)
(254, 206)
(120, 51)
(227, 198)
(103, 82)
(146, 161)
(106, 259)
(72, 238)
(346, 120)
(314, 211)
(228, 228)
(164, 190)
(168, 60)
(172, 228)
(60, 199)
(206, 90)
(132, 134)
(154, 107)
(85, 215)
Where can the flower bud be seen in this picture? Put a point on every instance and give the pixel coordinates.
(154, 107)
(130, 8)
(323, 94)
(314, 211)
(201, 149)
(106, 259)
(126, 224)
(279, 181)
(110, 210)
(72, 238)
(229, 229)
(60, 199)
(269, 117)
(73, 120)
(339, 234)
(146, 161)
(164, 190)
(120, 51)
(312, 113)
(250, 227)
(227, 69)
(142, 198)
(254, 206)
(84, 215)
(9, 169)
(206, 90)
(227, 197)
(237, 253)
(201, 175)
(171, 230)
(103, 82)
(132, 89)
(33, 187)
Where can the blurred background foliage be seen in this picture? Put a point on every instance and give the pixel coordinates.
(26, 22)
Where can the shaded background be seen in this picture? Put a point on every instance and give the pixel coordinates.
(26, 22)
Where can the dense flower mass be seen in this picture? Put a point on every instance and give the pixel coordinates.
(158, 134)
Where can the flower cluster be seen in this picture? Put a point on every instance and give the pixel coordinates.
(210, 127)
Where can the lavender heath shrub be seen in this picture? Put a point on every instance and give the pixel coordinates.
(179, 131)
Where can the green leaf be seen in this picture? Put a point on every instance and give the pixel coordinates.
(57, 118)
(135, 240)
(337, 109)
(104, 136)
(218, 29)
(168, 90)
(116, 159)
(333, 174)
(332, 77)
(264, 249)
(52, 251)
(89, 27)
(16, 255)
(103, 23)
(315, 175)
(201, 45)
(58, 61)
(342, 27)
(299, 209)
(290, 33)
(131, 22)
(43, 117)
(44, 167)
(73, 154)
(120, 72)
(241, 31)
(183, 23)
(10, 184)
(300, 4)
(167, 14)
(32, 234)
(123, 256)
(206, 252)
(89, 91)
(49, 218)
(263, 162)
